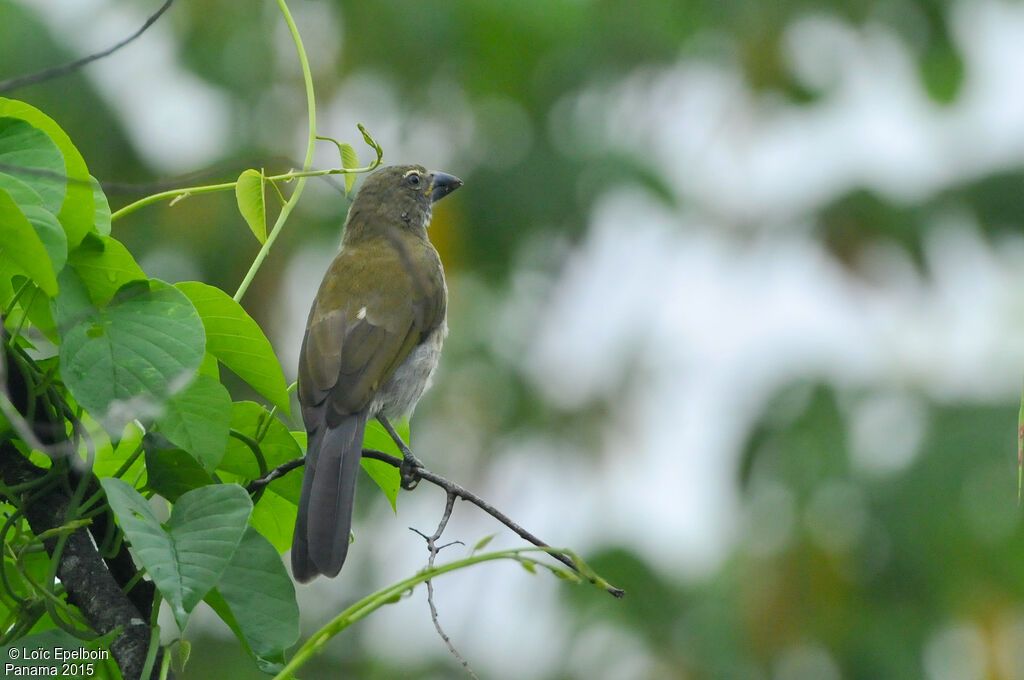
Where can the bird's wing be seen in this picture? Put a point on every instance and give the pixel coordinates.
(376, 304)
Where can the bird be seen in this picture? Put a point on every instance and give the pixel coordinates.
(372, 342)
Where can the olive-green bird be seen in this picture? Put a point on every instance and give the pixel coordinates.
(372, 341)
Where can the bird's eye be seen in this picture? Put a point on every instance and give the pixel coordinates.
(414, 179)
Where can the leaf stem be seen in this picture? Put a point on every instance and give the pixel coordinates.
(287, 208)
(389, 594)
(170, 193)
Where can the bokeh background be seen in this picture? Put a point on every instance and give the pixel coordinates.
(736, 309)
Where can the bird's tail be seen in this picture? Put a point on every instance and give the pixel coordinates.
(322, 528)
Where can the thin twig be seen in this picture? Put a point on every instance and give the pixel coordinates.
(57, 71)
(7, 408)
(451, 488)
(434, 550)
(278, 472)
(307, 163)
(21, 427)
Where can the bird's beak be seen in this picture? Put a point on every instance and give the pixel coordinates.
(442, 185)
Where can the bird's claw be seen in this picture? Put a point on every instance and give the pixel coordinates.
(410, 471)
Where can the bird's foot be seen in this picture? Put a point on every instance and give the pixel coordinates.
(410, 463)
(410, 470)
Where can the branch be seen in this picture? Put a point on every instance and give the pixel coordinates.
(93, 584)
(434, 550)
(90, 585)
(278, 472)
(57, 71)
(452, 489)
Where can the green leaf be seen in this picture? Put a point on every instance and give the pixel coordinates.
(104, 265)
(563, 574)
(371, 142)
(251, 197)
(6, 564)
(387, 477)
(109, 461)
(482, 543)
(186, 559)
(34, 303)
(173, 472)
(49, 231)
(124, 360)
(180, 653)
(101, 218)
(349, 161)
(24, 146)
(233, 337)
(32, 567)
(197, 419)
(210, 367)
(21, 191)
(42, 217)
(77, 212)
(72, 304)
(267, 624)
(275, 442)
(22, 247)
(274, 515)
(7, 288)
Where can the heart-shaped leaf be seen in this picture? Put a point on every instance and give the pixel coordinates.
(125, 359)
(187, 558)
(77, 211)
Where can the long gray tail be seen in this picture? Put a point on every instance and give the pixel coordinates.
(322, 528)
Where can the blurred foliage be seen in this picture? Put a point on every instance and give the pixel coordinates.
(866, 566)
(531, 53)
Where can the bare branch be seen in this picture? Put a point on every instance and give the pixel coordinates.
(57, 71)
(452, 489)
(278, 472)
(434, 550)
(92, 582)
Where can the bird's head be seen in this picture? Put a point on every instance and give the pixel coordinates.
(401, 194)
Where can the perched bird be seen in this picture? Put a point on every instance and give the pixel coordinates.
(372, 342)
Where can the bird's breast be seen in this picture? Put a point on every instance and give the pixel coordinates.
(406, 385)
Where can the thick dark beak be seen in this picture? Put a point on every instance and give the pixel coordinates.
(443, 185)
